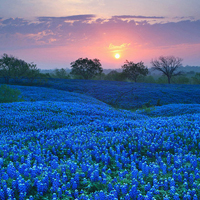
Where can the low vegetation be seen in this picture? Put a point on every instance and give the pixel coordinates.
(8, 95)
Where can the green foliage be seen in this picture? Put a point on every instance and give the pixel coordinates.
(101, 76)
(115, 76)
(158, 103)
(32, 73)
(133, 70)
(8, 95)
(14, 68)
(162, 80)
(61, 73)
(148, 107)
(148, 104)
(146, 79)
(86, 68)
(181, 80)
(196, 78)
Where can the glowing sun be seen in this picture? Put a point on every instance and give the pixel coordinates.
(117, 56)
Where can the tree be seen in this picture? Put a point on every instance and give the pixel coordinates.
(6, 67)
(134, 70)
(61, 73)
(181, 79)
(115, 76)
(14, 68)
(32, 72)
(168, 66)
(196, 78)
(86, 68)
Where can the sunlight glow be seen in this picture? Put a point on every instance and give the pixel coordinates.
(117, 56)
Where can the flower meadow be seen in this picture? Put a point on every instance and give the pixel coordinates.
(130, 95)
(170, 110)
(62, 145)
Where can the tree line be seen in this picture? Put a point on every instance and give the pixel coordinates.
(168, 66)
(12, 68)
(17, 69)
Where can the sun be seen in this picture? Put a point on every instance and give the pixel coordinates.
(117, 56)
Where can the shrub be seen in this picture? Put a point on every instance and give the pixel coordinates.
(8, 95)
(158, 103)
(148, 104)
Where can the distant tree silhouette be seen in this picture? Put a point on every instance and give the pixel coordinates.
(61, 73)
(168, 65)
(14, 68)
(32, 72)
(196, 78)
(134, 70)
(86, 68)
(115, 76)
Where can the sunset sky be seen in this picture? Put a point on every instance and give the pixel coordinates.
(54, 33)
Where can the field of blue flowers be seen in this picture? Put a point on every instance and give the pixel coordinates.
(64, 145)
(130, 95)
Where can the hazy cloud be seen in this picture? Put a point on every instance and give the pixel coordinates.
(73, 18)
(115, 48)
(15, 21)
(136, 17)
(87, 29)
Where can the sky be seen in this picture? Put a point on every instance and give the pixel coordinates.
(52, 34)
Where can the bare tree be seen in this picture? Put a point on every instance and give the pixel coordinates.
(168, 65)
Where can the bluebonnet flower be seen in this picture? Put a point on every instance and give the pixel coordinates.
(147, 187)
(165, 185)
(54, 196)
(134, 173)
(3, 192)
(55, 184)
(127, 197)
(124, 189)
(172, 190)
(1, 162)
(74, 185)
(31, 198)
(176, 196)
(186, 175)
(54, 164)
(185, 184)
(195, 197)
(22, 187)
(117, 188)
(76, 177)
(179, 177)
(101, 195)
(140, 197)
(191, 179)
(22, 196)
(110, 187)
(172, 182)
(166, 198)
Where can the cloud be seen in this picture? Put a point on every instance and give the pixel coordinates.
(89, 30)
(67, 18)
(15, 21)
(122, 47)
(136, 17)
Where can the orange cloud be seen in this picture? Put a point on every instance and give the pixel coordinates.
(121, 47)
